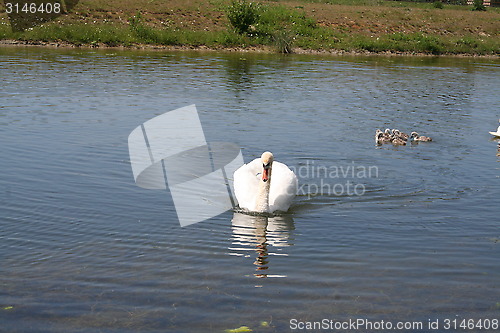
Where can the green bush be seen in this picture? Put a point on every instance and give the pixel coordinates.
(438, 5)
(242, 15)
(478, 5)
(275, 25)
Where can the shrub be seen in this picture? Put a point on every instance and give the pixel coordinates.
(242, 15)
(478, 5)
(438, 5)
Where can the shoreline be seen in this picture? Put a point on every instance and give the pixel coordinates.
(263, 49)
(336, 27)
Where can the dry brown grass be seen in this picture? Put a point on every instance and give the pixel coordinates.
(378, 20)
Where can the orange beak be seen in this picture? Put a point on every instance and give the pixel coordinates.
(265, 174)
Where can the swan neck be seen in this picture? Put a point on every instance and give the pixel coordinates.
(262, 200)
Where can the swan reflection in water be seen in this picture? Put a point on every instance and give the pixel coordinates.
(263, 235)
(497, 141)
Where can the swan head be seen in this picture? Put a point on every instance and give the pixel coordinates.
(388, 131)
(414, 134)
(267, 159)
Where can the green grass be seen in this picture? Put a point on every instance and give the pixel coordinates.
(113, 35)
(418, 43)
(79, 34)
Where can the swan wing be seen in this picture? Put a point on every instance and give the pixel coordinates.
(246, 183)
(284, 185)
(497, 133)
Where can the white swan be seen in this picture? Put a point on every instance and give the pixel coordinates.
(497, 133)
(257, 192)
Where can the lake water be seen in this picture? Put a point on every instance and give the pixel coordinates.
(412, 235)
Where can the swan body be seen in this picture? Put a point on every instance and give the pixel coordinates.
(265, 186)
(400, 135)
(398, 141)
(497, 133)
(381, 138)
(420, 138)
(396, 137)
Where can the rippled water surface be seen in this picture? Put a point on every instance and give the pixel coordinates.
(382, 233)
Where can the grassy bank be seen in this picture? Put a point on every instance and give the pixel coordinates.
(283, 26)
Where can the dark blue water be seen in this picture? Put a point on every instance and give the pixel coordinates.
(83, 249)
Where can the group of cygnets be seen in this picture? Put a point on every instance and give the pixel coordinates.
(398, 138)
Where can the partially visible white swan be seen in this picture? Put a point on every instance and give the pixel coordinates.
(497, 133)
(265, 186)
